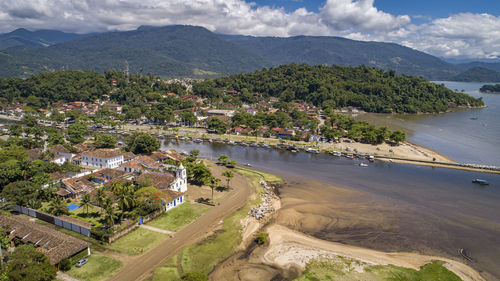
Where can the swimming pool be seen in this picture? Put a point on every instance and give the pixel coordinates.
(72, 207)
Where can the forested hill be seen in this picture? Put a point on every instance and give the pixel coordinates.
(193, 51)
(478, 74)
(373, 90)
(315, 50)
(170, 51)
(40, 38)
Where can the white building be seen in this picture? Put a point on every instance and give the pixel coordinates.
(102, 158)
(61, 151)
(180, 182)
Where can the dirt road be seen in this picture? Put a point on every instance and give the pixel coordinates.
(141, 267)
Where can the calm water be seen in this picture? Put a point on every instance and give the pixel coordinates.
(454, 134)
(440, 208)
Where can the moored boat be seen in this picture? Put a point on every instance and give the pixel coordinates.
(480, 181)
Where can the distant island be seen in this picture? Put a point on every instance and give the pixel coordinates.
(492, 89)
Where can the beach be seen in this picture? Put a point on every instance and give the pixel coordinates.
(349, 224)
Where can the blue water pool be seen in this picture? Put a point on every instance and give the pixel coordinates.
(72, 207)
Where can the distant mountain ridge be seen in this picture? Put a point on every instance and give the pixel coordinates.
(192, 51)
(40, 38)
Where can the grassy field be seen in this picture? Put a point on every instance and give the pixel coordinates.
(265, 176)
(166, 273)
(205, 255)
(98, 268)
(180, 216)
(345, 269)
(138, 241)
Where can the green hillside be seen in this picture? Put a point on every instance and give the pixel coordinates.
(315, 50)
(371, 89)
(169, 51)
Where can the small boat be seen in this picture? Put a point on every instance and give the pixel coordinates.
(363, 165)
(350, 156)
(231, 143)
(336, 153)
(197, 140)
(266, 146)
(248, 164)
(161, 136)
(371, 158)
(480, 182)
(473, 118)
(312, 150)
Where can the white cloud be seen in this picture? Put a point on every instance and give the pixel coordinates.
(342, 14)
(460, 35)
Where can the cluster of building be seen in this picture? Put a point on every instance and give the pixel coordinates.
(105, 166)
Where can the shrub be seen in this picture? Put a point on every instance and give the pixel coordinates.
(65, 265)
(261, 238)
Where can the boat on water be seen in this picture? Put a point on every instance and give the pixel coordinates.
(473, 118)
(266, 146)
(312, 150)
(363, 165)
(161, 136)
(371, 158)
(480, 182)
(350, 156)
(197, 140)
(336, 153)
(231, 143)
(248, 164)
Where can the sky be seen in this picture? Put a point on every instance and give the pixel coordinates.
(460, 29)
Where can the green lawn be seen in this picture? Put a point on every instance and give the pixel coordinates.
(98, 268)
(205, 255)
(166, 273)
(266, 176)
(138, 241)
(180, 216)
(344, 269)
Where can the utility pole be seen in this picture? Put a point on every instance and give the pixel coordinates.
(126, 72)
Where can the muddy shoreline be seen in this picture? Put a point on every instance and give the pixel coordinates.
(359, 219)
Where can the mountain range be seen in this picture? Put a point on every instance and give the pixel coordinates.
(192, 51)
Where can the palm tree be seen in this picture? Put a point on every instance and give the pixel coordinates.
(86, 203)
(116, 187)
(99, 197)
(229, 175)
(57, 206)
(126, 198)
(110, 215)
(213, 183)
(107, 203)
(34, 203)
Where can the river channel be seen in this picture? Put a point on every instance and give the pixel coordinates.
(385, 206)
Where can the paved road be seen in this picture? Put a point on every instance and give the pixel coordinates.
(141, 267)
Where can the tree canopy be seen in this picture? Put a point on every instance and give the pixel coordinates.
(142, 143)
(371, 89)
(27, 264)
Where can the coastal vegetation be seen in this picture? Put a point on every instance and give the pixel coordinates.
(346, 269)
(488, 88)
(371, 89)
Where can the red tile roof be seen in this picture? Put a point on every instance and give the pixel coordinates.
(103, 153)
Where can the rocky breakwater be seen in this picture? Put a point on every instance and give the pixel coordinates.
(269, 200)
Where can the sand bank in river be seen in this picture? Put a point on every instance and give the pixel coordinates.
(289, 248)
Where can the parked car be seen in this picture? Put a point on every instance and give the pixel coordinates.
(80, 263)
